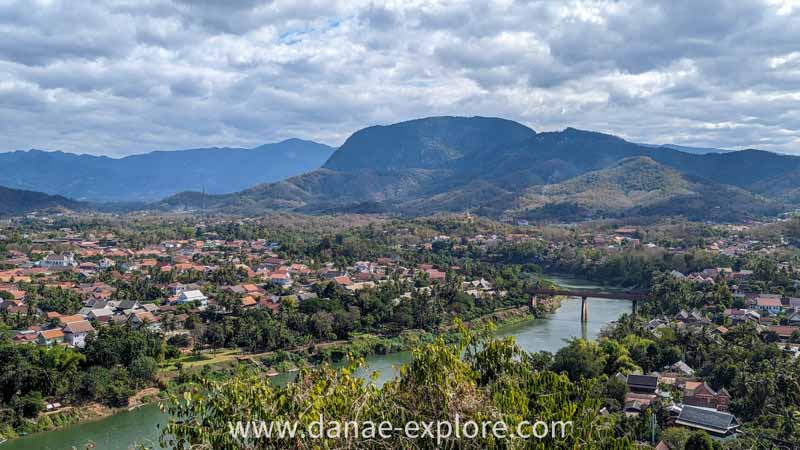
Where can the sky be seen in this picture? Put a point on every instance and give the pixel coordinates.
(130, 76)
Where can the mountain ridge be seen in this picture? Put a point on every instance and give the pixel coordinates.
(158, 174)
(19, 201)
(473, 167)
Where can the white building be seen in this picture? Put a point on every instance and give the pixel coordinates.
(75, 333)
(56, 260)
(194, 296)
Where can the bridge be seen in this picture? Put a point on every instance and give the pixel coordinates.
(585, 294)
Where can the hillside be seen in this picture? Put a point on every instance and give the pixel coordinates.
(641, 186)
(155, 175)
(15, 202)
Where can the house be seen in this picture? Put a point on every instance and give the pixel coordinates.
(784, 332)
(50, 337)
(98, 313)
(75, 333)
(281, 279)
(646, 384)
(739, 316)
(343, 280)
(146, 319)
(699, 393)
(771, 304)
(193, 296)
(128, 305)
(695, 317)
(635, 403)
(682, 368)
(65, 320)
(715, 422)
(436, 275)
(58, 261)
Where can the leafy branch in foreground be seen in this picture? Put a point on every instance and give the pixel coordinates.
(481, 378)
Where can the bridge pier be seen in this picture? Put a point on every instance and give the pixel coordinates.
(584, 310)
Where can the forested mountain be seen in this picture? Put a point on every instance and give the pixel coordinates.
(499, 167)
(155, 175)
(641, 186)
(15, 202)
(425, 143)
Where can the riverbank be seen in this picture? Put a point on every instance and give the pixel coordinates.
(360, 345)
(550, 333)
(73, 415)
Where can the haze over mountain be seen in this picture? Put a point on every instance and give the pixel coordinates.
(155, 175)
(500, 167)
(688, 149)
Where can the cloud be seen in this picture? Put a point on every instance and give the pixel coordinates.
(126, 76)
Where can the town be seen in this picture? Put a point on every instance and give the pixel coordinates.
(212, 293)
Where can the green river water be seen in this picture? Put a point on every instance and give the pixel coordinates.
(124, 430)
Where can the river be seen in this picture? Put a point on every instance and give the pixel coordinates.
(123, 430)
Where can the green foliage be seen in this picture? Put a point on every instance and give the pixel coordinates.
(143, 369)
(28, 405)
(490, 383)
(580, 359)
(699, 440)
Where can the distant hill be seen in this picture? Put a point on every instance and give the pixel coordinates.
(501, 168)
(687, 149)
(641, 186)
(155, 175)
(16, 202)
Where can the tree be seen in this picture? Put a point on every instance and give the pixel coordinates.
(322, 321)
(28, 405)
(489, 383)
(699, 440)
(580, 359)
(143, 369)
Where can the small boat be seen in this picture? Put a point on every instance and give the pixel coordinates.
(272, 372)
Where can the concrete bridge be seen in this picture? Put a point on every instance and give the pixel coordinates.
(585, 294)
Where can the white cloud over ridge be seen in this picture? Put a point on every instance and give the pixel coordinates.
(128, 76)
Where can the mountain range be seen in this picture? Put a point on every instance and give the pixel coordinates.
(155, 175)
(499, 167)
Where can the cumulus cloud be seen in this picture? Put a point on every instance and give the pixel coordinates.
(126, 76)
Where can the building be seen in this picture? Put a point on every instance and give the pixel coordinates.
(50, 337)
(58, 261)
(699, 393)
(770, 304)
(75, 333)
(147, 320)
(281, 279)
(715, 422)
(194, 296)
(645, 384)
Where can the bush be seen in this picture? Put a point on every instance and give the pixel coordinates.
(28, 405)
(143, 369)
